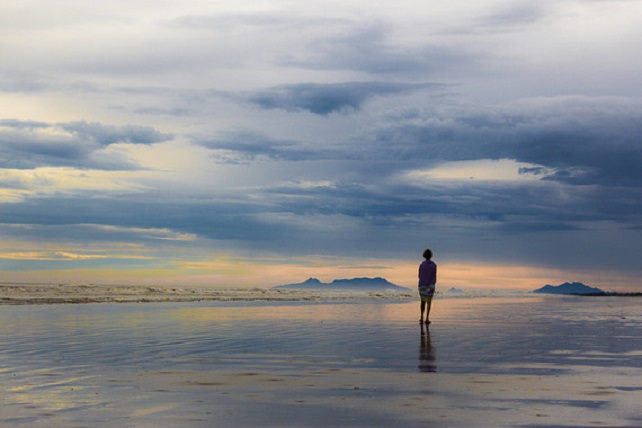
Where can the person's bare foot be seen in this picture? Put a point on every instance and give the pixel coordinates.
(427, 322)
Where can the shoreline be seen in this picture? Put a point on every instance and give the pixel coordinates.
(50, 294)
(609, 294)
(40, 294)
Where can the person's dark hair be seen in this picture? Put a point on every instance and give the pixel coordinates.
(427, 254)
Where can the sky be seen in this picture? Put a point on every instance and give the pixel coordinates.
(257, 143)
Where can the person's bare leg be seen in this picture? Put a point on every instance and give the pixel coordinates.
(428, 305)
(423, 308)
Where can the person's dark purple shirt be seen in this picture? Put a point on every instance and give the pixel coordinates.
(427, 273)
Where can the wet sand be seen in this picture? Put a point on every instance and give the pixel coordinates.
(484, 362)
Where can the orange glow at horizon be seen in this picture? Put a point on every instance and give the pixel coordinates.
(232, 272)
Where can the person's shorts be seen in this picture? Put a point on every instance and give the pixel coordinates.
(426, 293)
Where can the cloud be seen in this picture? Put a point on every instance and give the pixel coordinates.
(515, 15)
(106, 135)
(323, 99)
(47, 255)
(61, 232)
(235, 20)
(370, 49)
(29, 82)
(18, 184)
(242, 147)
(246, 146)
(373, 161)
(32, 144)
(559, 164)
(587, 141)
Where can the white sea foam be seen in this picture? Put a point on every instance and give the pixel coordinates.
(21, 294)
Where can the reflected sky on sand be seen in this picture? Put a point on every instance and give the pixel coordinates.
(536, 361)
(427, 357)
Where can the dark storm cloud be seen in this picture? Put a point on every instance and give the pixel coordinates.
(587, 150)
(218, 220)
(324, 99)
(584, 151)
(504, 205)
(467, 219)
(32, 144)
(586, 141)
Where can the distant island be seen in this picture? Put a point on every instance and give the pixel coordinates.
(369, 284)
(570, 288)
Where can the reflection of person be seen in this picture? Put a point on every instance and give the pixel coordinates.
(427, 281)
(426, 353)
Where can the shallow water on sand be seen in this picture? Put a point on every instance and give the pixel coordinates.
(537, 361)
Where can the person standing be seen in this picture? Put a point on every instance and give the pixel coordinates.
(427, 282)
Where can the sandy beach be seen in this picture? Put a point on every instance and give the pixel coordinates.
(529, 361)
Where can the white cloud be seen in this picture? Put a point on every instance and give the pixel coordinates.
(507, 170)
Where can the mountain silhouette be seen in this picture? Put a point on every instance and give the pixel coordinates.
(569, 288)
(372, 284)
